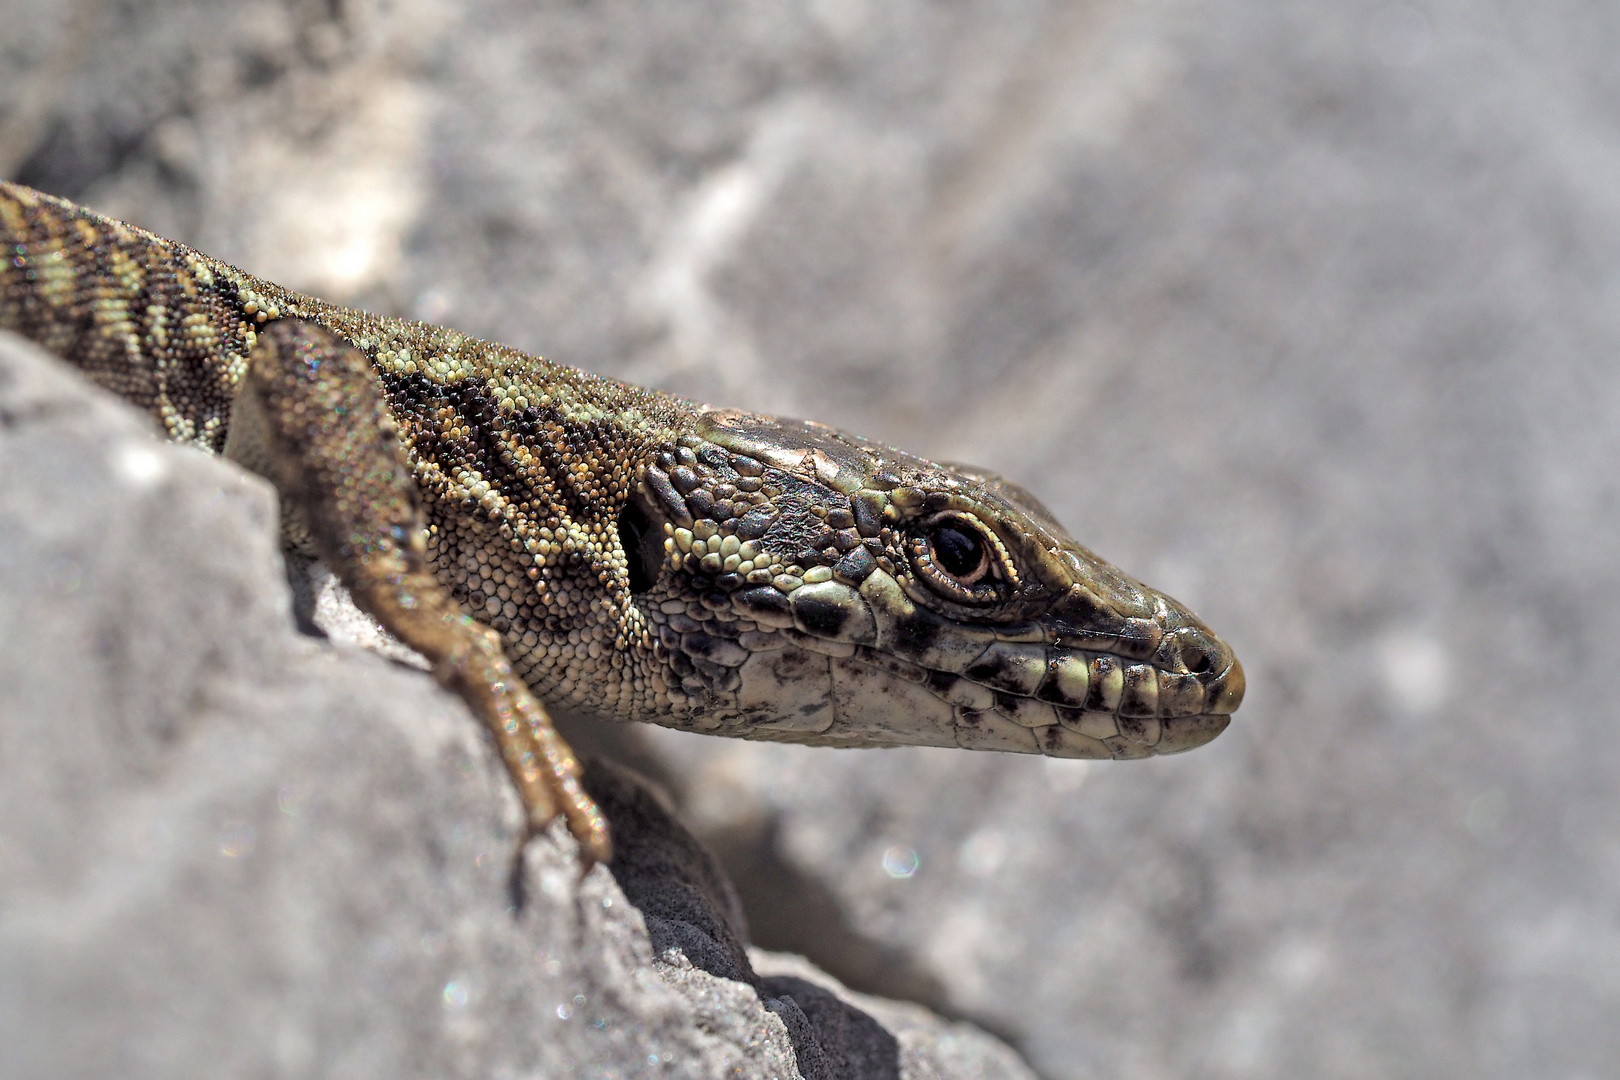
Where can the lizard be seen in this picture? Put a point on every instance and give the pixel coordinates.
(542, 534)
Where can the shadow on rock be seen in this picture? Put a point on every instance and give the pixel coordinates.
(689, 906)
(786, 909)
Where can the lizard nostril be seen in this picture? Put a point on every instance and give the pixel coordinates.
(1198, 655)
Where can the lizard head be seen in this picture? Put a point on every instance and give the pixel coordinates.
(808, 585)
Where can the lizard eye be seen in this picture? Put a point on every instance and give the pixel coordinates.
(956, 559)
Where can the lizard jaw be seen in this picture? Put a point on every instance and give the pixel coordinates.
(866, 666)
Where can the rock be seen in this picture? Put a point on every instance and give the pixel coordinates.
(230, 849)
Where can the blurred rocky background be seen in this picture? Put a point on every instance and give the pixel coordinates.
(1305, 313)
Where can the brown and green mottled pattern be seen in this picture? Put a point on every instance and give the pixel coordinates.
(648, 558)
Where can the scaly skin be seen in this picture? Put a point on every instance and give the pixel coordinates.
(643, 557)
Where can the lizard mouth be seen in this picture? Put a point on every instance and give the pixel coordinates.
(1081, 704)
(909, 677)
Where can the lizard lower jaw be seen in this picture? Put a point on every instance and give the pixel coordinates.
(862, 696)
(833, 663)
(1111, 725)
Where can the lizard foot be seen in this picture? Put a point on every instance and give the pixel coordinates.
(541, 764)
(312, 418)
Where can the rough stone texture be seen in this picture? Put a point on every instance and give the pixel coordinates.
(1306, 313)
(227, 849)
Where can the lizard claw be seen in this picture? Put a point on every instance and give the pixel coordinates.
(559, 783)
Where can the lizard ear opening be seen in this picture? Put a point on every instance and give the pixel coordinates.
(635, 529)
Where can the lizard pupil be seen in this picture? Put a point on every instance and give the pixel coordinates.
(956, 551)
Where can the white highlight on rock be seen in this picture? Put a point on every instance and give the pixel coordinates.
(1065, 776)
(704, 237)
(329, 215)
(1297, 962)
(982, 853)
(140, 464)
(1416, 670)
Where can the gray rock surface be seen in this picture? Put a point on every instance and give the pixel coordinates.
(227, 849)
(1304, 312)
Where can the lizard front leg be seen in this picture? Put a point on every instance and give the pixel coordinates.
(310, 416)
